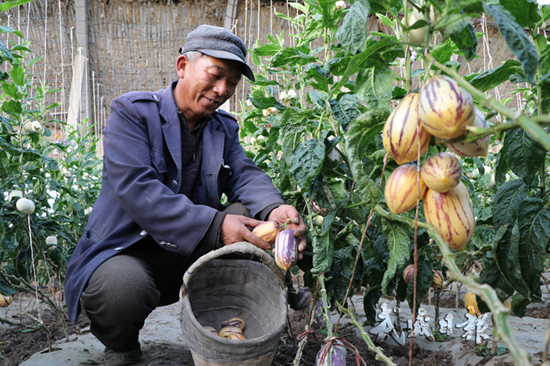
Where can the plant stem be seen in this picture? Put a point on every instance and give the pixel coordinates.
(486, 292)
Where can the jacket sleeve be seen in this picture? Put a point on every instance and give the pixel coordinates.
(134, 172)
(249, 184)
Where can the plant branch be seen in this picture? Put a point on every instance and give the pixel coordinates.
(486, 292)
(488, 101)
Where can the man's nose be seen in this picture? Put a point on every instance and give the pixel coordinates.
(221, 87)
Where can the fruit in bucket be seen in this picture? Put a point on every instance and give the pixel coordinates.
(401, 189)
(286, 249)
(234, 322)
(399, 135)
(231, 333)
(444, 108)
(441, 172)
(267, 230)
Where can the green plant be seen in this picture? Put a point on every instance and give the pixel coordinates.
(323, 148)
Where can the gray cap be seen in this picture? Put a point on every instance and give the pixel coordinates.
(220, 43)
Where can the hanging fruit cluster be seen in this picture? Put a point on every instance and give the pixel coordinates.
(443, 109)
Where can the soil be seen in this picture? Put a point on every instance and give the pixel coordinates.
(16, 345)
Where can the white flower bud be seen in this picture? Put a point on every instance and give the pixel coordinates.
(266, 112)
(27, 127)
(15, 194)
(292, 94)
(25, 205)
(52, 239)
(340, 5)
(273, 111)
(282, 96)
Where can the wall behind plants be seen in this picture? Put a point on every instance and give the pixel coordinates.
(133, 44)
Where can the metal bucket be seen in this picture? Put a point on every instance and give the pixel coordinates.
(215, 290)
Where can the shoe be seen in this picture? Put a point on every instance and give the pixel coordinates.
(122, 358)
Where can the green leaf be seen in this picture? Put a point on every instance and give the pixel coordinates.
(12, 4)
(353, 32)
(516, 39)
(307, 161)
(4, 50)
(359, 61)
(523, 155)
(466, 41)
(11, 90)
(525, 12)
(443, 51)
(508, 199)
(323, 248)
(519, 304)
(534, 227)
(490, 79)
(290, 57)
(398, 245)
(507, 258)
(18, 75)
(345, 110)
(268, 49)
(374, 85)
(371, 298)
(12, 106)
(361, 133)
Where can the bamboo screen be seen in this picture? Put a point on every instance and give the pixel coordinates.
(133, 44)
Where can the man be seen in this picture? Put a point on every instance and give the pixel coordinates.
(168, 158)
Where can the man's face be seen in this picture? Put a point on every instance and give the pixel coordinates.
(205, 84)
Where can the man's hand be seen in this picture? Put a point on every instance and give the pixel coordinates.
(234, 229)
(284, 213)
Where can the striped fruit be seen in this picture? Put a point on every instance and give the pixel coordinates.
(238, 336)
(399, 135)
(444, 108)
(470, 303)
(441, 172)
(401, 189)
(451, 214)
(5, 301)
(210, 329)
(267, 230)
(336, 354)
(233, 322)
(304, 298)
(226, 331)
(286, 249)
(478, 147)
(437, 281)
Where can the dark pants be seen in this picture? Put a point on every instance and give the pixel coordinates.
(126, 288)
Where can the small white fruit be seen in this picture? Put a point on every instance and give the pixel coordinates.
(273, 110)
(27, 127)
(282, 96)
(266, 112)
(291, 94)
(491, 182)
(14, 194)
(25, 205)
(340, 5)
(319, 220)
(52, 239)
(36, 126)
(416, 36)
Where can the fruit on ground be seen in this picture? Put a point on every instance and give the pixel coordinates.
(286, 249)
(441, 172)
(400, 136)
(234, 322)
(445, 109)
(479, 147)
(452, 215)
(5, 301)
(401, 189)
(337, 354)
(267, 230)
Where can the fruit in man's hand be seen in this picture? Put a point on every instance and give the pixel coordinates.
(401, 189)
(234, 322)
(452, 215)
(445, 109)
(479, 147)
(400, 137)
(441, 172)
(267, 230)
(286, 249)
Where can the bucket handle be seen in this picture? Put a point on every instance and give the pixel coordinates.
(240, 247)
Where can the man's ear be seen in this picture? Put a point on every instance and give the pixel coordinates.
(181, 64)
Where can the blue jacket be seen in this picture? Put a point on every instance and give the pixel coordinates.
(142, 175)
